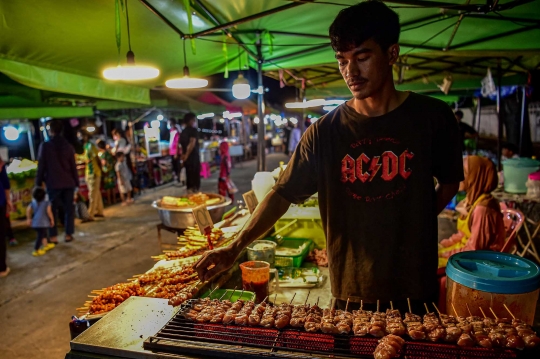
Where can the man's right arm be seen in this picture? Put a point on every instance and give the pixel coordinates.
(272, 208)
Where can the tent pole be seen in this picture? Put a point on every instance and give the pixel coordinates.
(499, 115)
(523, 100)
(478, 113)
(261, 158)
(30, 132)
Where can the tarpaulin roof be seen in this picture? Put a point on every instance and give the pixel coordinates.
(64, 45)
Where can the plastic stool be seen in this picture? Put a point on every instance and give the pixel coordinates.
(205, 170)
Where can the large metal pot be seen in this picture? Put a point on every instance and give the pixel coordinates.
(181, 218)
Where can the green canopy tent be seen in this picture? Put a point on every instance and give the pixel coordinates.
(63, 46)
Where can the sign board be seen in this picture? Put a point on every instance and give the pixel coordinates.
(251, 200)
(203, 219)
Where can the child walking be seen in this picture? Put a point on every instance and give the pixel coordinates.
(39, 216)
(123, 174)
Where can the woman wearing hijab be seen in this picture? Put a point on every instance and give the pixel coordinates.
(480, 225)
(224, 170)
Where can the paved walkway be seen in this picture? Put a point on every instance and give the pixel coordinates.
(41, 294)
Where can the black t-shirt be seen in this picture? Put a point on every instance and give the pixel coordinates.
(377, 196)
(185, 136)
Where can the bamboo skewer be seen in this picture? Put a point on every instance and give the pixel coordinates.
(92, 296)
(308, 293)
(455, 311)
(409, 303)
(377, 305)
(361, 304)
(220, 298)
(484, 314)
(427, 309)
(495, 315)
(264, 300)
(234, 290)
(317, 304)
(437, 309)
(347, 305)
(468, 309)
(275, 299)
(82, 309)
(508, 310)
(292, 299)
(391, 305)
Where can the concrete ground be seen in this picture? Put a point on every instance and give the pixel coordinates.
(41, 294)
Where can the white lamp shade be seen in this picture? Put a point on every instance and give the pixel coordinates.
(130, 73)
(241, 91)
(186, 83)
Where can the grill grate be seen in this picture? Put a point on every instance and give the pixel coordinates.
(182, 336)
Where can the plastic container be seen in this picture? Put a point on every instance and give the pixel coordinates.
(533, 185)
(262, 250)
(293, 260)
(255, 277)
(228, 294)
(302, 222)
(485, 279)
(516, 173)
(262, 184)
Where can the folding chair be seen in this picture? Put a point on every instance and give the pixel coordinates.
(513, 220)
(527, 245)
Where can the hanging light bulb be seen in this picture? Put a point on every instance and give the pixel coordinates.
(241, 88)
(131, 71)
(186, 82)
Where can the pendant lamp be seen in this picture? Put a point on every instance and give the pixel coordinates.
(186, 82)
(131, 71)
(241, 88)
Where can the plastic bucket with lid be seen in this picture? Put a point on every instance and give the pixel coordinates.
(485, 279)
(516, 173)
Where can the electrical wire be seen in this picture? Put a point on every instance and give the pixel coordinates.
(512, 21)
(127, 20)
(431, 38)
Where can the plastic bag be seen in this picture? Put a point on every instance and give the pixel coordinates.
(231, 187)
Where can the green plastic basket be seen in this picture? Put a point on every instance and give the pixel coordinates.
(293, 260)
(218, 293)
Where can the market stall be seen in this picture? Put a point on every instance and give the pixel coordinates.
(22, 176)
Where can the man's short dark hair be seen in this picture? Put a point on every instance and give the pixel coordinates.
(190, 116)
(364, 21)
(38, 194)
(510, 147)
(172, 120)
(56, 127)
(459, 113)
(119, 155)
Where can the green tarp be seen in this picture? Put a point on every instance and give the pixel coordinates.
(63, 46)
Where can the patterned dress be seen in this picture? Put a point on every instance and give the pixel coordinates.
(107, 165)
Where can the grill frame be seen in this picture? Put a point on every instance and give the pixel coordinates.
(182, 336)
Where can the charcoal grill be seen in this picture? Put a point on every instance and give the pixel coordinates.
(182, 336)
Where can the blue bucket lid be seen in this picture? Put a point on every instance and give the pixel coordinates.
(494, 272)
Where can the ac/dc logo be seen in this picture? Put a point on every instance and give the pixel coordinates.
(365, 169)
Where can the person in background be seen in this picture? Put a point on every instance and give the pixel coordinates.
(40, 217)
(294, 140)
(175, 150)
(93, 177)
(191, 159)
(5, 207)
(123, 175)
(509, 150)
(286, 137)
(468, 133)
(107, 168)
(481, 223)
(57, 169)
(224, 170)
(121, 144)
(9, 232)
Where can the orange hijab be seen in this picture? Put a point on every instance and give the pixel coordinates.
(480, 179)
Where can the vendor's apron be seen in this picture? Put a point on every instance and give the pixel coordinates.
(463, 227)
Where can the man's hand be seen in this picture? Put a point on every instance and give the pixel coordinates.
(183, 158)
(9, 206)
(215, 262)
